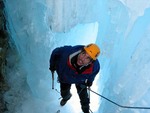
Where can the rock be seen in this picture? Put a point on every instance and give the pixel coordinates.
(3, 52)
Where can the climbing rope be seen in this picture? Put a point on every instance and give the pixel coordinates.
(129, 107)
(122, 106)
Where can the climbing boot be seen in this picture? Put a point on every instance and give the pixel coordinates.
(64, 101)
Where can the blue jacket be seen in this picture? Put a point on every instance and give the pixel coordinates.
(66, 72)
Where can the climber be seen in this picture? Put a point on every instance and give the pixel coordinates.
(75, 65)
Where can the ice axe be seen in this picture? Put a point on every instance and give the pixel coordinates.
(52, 79)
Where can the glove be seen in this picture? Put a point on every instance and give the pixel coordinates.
(52, 68)
(85, 85)
(88, 84)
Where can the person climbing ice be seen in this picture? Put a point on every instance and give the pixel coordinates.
(75, 65)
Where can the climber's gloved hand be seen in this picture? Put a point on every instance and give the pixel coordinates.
(88, 84)
(52, 68)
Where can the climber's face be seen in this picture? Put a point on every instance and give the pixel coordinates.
(83, 59)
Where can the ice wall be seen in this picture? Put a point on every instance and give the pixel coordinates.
(27, 73)
(65, 14)
(32, 35)
(124, 37)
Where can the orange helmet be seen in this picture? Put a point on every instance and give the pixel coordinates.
(93, 50)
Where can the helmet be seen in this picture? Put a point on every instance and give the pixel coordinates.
(93, 50)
